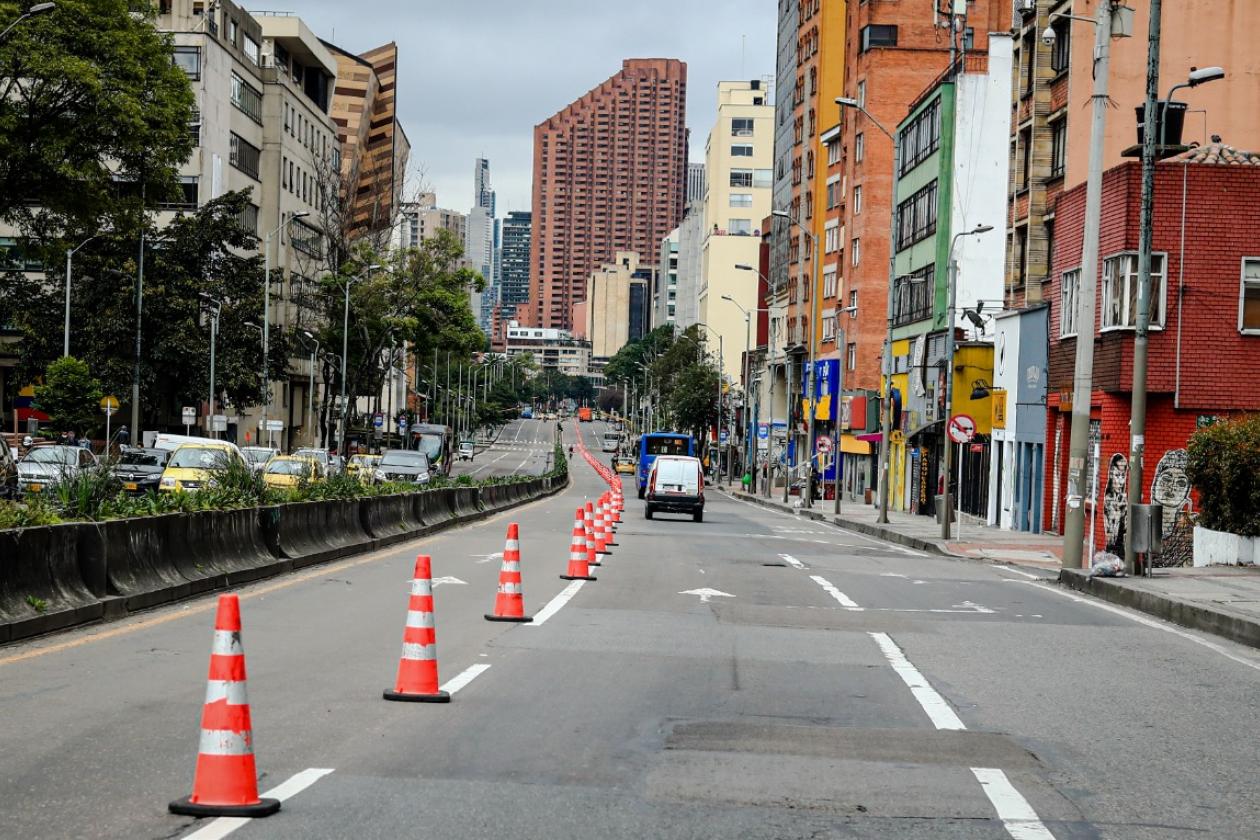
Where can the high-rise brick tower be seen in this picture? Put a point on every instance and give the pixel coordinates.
(610, 172)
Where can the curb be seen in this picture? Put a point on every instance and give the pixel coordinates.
(1187, 614)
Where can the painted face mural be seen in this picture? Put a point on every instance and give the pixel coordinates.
(1170, 488)
(1115, 503)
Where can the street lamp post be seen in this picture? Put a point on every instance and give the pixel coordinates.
(761, 278)
(885, 442)
(70, 252)
(215, 307)
(746, 375)
(807, 494)
(839, 395)
(949, 371)
(37, 9)
(310, 388)
(345, 352)
(285, 221)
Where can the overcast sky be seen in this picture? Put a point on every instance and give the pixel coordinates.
(475, 76)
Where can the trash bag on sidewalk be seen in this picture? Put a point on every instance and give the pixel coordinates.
(1106, 564)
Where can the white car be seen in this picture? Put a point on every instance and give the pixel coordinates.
(45, 466)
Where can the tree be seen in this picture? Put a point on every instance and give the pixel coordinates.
(70, 395)
(89, 99)
(692, 402)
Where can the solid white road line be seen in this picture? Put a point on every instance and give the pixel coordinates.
(883, 543)
(554, 605)
(1022, 572)
(1147, 622)
(1020, 820)
(845, 601)
(223, 826)
(939, 711)
(792, 561)
(464, 677)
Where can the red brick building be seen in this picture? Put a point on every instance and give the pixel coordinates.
(610, 172)
(1204, 339)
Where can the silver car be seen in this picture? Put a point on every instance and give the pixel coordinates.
(45, 466)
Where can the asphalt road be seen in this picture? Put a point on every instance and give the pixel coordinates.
(753, 676)
(523, 447)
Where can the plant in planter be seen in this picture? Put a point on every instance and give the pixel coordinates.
(1223, 464)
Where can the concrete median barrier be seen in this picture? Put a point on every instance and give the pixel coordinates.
(389, 519)
(464, 503)
(41, 584)
(316, 532)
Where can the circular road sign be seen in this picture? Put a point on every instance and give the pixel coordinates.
(109, 404)
(824, 445)
(962, 428)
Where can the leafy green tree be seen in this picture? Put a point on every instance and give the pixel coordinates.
(70, 395)
(89, 98)
(692, 402)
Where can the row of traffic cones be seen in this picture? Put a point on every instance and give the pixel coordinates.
(225, 782)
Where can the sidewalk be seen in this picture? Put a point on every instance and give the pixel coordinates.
(1221, 600)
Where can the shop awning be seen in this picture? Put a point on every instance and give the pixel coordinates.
(869, 437)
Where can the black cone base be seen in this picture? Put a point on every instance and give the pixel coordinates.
(516, 618)
(440, 697)
(186, 807)
(578, 577)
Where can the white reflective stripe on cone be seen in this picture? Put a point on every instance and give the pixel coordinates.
(418, 618)
(225, 742)
(233, 691)
(421, 586)
(411, 650)
(509, 589)
(227, 643)
(511, 566)
(512, 545)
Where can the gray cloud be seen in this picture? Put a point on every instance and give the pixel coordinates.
(475, 77)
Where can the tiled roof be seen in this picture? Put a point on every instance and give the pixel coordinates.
(1218, 154)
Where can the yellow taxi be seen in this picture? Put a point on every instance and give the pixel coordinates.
(362, 466)
(192, 465)
(284, 471)
(625, 466)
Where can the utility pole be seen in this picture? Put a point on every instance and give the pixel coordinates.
(1087, 303)
(770, 419)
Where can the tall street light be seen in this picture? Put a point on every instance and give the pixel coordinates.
(37, 9)
(842, 352)
(70, 252)
(345, 351)
(886, 414)
(310, 388)
(770, 375)
(949, 369)
(285, 221)
(807, 495)
(215, 308)
(746, 375)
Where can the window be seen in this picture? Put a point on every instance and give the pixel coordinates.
(16, 255)
(1061, 52)
(763, 177)
(741, 177)
(969, 39)
(247, 99)
(188, 59)
(243, 155)
(1249, 302)
(1120, 288)
(741, 150)
(917, 217)
(833, 193)
(850, 356)
(1058, 148)
(877, 35)
(1068, 298)
(833, 153)
(861, 94)
(739, 227)
(305, 238)
(248, 219)
(741, 199)
(913, 294)
(232, 30)
(830, 280)
(829, 328)
(250, 48)
(742, 127)
(921, 138)
(855, 252)
(853, 304)
(859, 147)
(831, 240)
(857, 200)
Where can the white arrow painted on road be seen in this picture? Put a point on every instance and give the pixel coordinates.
(486, 558)
(706, 594)
(448, 579)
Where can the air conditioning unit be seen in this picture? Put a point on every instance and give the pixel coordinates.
(1025, 7)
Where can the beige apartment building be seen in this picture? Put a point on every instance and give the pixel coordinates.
(739, 165)
(615, 310)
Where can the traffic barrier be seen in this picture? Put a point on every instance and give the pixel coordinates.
(41, 584)
(509, 601)
(465, 502)
(578, 568)
(316, 532)
(226, 780)
(588, 526)
(388, 519)
(140, 560)
(417, 680)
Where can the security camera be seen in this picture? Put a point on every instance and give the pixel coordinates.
(1049, 36)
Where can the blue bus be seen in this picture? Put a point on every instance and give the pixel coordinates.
(661, 443)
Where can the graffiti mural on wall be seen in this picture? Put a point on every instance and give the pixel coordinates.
(1170, 488)
(1115, 504)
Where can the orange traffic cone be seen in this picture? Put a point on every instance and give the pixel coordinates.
(226, 780)
(610, 532)
(509, 603)
(588, 524)
(418, 668)
(578, 568)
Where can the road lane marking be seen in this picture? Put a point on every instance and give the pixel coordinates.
(1022, 572)
(938, 710)
(464, 677)
(554, 605)
(706, 594)
(793, 562)
(448, 579)
(223, 826)
(1140, 619)
(1018, 817)
(845, 601)
(883, 543)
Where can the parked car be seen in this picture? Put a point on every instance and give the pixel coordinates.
(257, 456)
(404, 465)
(290, 470)
(140, 470)
(467, 449)
(192, 465)
(44, 466)
(8, 471)
(675, 485)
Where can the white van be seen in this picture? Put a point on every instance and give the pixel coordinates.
(675, 485)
